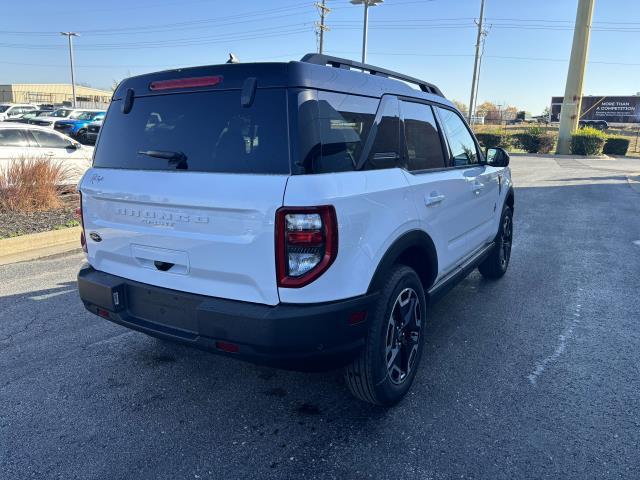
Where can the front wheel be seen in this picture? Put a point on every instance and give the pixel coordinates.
(496, 264)
(386, 368)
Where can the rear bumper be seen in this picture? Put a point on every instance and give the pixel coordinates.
(298, 337)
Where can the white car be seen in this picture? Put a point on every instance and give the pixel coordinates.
(21, 141)
(9, 110)
(299, 214)
(61, 114)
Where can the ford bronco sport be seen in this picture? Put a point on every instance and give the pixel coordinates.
(300, 214)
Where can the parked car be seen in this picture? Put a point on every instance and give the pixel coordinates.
(300, 214)
(60, 114)
(18, 141)
(10, 110)
(76, 125)
(25, 117)
(91, 135)
(599, 124)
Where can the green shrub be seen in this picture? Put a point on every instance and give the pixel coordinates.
(587, 141)
(616, 146)
(493, 139)
(535, 140)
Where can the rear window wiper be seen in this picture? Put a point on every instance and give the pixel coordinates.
(172, 157)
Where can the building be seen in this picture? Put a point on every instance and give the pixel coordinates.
(54, 93)
(613, 109)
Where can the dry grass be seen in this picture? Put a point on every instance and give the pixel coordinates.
(31, 185)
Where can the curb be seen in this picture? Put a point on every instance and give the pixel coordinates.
(569, 157)
(38, 245)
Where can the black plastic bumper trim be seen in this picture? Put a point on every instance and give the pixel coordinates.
(301, 337)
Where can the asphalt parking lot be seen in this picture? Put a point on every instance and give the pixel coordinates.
(534, 376)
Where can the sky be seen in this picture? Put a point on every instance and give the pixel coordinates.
(524, 63)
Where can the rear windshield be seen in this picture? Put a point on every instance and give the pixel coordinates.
(204, 132)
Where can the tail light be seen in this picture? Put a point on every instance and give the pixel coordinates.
(306, 244)
(83, 238)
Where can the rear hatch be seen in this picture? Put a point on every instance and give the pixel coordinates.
(185, 186)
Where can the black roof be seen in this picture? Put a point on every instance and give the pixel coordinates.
(313, 71)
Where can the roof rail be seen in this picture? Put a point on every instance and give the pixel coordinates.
(319, 59)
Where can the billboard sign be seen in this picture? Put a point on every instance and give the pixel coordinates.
(611, 109)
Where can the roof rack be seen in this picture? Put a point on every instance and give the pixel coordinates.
(319, 59)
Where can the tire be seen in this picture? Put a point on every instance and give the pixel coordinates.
(496, 264)
(81, 136)
(369, 377)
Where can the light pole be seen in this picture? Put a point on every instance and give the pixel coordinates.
(73, 81)
(367, 4)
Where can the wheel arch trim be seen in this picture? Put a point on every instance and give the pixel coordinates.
(405, 243)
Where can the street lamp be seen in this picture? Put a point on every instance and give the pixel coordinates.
(69, 35)
(367, 4)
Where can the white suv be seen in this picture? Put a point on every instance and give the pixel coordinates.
(10, 110)
(297, 214)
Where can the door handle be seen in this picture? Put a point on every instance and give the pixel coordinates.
(433, 199)
(49, 154)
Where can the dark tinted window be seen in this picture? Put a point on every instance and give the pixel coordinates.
(385, 148)
(50, 140)
(12, 138)
(463, 148)
(212, 129)
(423, 148)
(341, 123)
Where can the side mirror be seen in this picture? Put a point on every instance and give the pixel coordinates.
(497, 157)
(75, 146)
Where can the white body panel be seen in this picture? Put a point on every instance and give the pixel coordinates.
(217, 230)
(373, 208)
(456, 208)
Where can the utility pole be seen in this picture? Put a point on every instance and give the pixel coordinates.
(476, 63)
(73, 80)
(572, 101)
(365, 30)
(324, 11)
(475, 99)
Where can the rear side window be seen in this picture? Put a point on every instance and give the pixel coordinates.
(207, 131)
(50, 140)
(332, 130)
(423, 148)
(12, 138)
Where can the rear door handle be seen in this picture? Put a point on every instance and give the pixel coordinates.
(433, 199)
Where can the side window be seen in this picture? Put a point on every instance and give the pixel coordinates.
(50, 140)
(345, 121)
(423, 148)
(12, 138)
(385, 148)
(463, 148)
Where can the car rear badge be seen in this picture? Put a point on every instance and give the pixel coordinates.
(95, 237)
